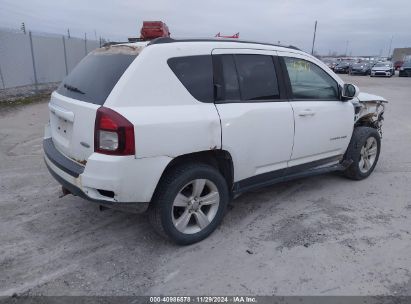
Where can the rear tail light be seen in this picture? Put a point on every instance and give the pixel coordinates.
(113, 134)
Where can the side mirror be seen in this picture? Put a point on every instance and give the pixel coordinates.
(349, 91)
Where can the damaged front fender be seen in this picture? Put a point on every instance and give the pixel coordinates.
(369, 110)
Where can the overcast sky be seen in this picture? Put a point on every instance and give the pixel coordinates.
(367, 25)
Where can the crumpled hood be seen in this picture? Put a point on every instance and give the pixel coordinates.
(364, 97)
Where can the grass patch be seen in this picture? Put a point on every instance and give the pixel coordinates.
(24, 100)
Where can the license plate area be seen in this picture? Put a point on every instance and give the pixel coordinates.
(63, 127)
(61, 130)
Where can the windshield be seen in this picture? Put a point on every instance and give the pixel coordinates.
(93, 79)
(380, 65)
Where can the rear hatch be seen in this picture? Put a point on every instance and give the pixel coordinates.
(74, 104)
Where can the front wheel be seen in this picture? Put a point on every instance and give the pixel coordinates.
(363, 151)
(189, 203)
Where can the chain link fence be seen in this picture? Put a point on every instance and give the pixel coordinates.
(37, 58)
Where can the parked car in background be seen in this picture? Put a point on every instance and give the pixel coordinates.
(383, 69)
(398, 64)
(342, 67)
(372, 63)
(405, 70)
(360, 68)
(330, 63)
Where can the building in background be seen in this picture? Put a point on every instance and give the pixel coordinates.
(400, 54)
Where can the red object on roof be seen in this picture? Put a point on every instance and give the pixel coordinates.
(154, 29)
(235, 36)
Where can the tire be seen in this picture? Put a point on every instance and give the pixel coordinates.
(181, 219)
(359, 149)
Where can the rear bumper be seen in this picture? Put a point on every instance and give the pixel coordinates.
(68, 166)
(109, 180)
(69, 183)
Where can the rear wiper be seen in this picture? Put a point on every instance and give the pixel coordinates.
(74, 89)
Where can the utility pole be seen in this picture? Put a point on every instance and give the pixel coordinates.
(389, 49)
(346, 48)
(2, 79)
(33, 62)
(315, 31)
(85, 44)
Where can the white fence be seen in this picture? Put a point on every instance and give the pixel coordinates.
(30, 59)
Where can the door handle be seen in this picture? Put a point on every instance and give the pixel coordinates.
(307, 112)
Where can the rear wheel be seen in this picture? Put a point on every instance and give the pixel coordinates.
(189, 203)
(363, 151)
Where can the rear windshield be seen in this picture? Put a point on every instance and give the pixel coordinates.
(96, 75)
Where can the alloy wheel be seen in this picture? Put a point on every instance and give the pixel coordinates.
(195, 206)
(368, 154)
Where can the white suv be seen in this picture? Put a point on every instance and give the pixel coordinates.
(181, 127)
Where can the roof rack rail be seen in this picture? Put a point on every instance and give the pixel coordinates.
(162, 40)
(113, 43)
(136, 39)
(130, 40)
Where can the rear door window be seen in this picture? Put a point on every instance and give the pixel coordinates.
(95, 76)
(196, 74)
(257, 77)
(225, 78)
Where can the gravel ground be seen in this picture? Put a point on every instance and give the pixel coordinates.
(323, 235)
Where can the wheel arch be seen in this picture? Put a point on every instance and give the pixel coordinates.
(217, 158)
